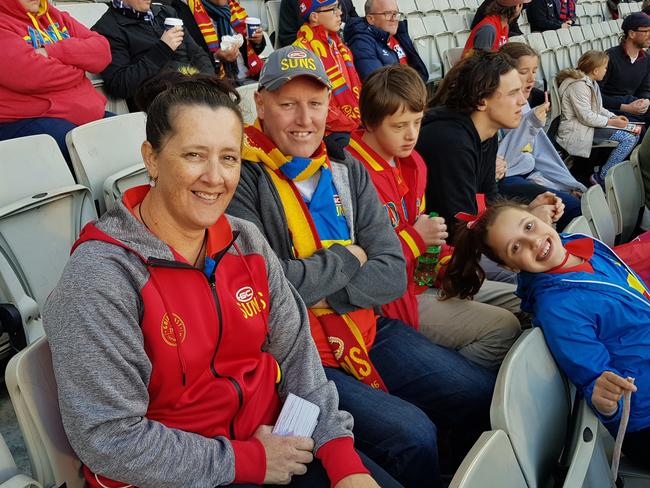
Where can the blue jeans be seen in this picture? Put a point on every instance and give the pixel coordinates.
(520, 187)
(430, 388)
(57, 128)
(316, 477)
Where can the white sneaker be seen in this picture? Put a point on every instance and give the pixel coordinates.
(645, 220)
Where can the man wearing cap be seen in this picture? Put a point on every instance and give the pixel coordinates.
(626, 86)
(381, 38)
(492, 32)
(319, 210)
(319, 34)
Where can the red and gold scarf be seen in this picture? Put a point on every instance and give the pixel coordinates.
(343, 333)
(344, 115)
(237, 17)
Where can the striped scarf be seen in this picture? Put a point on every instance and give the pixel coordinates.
(567, 10)
(339, 65)
(306, 224)
(204, 14)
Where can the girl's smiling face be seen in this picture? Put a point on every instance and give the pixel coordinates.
(524, 243)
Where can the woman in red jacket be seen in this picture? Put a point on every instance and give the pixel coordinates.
(492, 32)
(45, 54)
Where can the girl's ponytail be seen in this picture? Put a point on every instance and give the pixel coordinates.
(464, 275)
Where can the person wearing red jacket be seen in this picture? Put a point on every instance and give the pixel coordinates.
(492, 32)
(393, 99)
(45, 54)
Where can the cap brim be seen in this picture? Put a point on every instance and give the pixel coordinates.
(279, 82)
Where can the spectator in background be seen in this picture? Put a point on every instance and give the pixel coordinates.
(319, 34)
(44, 54)
(381, 38)
(533, 166)
(459, 142)
(626, 85)
(219, 18)
(291, 20)
(142, 47)
(513, 27)
(546, 15)
(393, 100)
(492, 32)
(584, 121)
(318, 209)
(645, 7)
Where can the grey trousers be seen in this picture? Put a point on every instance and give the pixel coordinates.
(482, 330)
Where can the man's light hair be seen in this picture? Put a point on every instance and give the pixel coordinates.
(367, 7)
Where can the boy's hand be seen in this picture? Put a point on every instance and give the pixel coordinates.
(608, 390)
(433, 230)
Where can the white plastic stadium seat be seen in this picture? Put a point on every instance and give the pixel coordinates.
(596, 211)
(579, 225)
(272, 8)
(247, 103)
(30, 165)
(104, 147)
(9, 475)
(624, 198)
(84, 13)
(451, 57)
(32, 388)
(490, 463)
(531, 404)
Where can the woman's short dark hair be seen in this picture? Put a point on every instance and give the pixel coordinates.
(389, 89)
(165, 92)
(472, 80)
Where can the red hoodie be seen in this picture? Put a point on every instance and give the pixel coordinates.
(32, 85)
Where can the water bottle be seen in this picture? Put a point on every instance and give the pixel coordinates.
(425, 270)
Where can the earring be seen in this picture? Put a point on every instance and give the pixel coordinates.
(152, 182)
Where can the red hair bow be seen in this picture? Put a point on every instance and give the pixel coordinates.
(472, 219)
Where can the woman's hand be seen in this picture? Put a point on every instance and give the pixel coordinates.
(258, 36)
(357, 481)
(285, 455)
(608, 390)
(541, 111)
(228, 55)
(501, 167)
(617, 122)
(432, 230)
(173, 37)
(547, 206)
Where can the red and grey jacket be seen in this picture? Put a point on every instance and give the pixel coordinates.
(208, 337)
(495, 32)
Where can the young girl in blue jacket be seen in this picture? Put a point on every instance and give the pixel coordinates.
(593, 309)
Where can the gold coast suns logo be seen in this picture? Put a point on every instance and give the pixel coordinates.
(169, 330)
(249, 302)
(339, 206)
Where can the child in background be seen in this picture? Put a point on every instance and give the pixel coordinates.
(593, 309)
(393, 100)
(584, 120)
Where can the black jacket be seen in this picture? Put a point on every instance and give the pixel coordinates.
(138, 53)
(459, 165)
(624, 81)
(291, 21)
(369, 46)
(544, 15)
(185, 13)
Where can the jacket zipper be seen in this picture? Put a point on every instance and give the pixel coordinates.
(164, 263)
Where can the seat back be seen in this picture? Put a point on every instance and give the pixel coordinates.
(84, 13)
(272, 8)
(596, 211)
(32, 388)
(624, 198)
(30, 165)
(579, 225)
(490, 463)
(531, 404)
(451, 57)
(116, 184)
(247, 103)
(104, 147)
(36, 235)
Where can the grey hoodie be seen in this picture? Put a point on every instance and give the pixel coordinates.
(92, 320)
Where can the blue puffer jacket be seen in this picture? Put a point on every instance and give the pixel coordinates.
(596, 322)
(369, 46)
